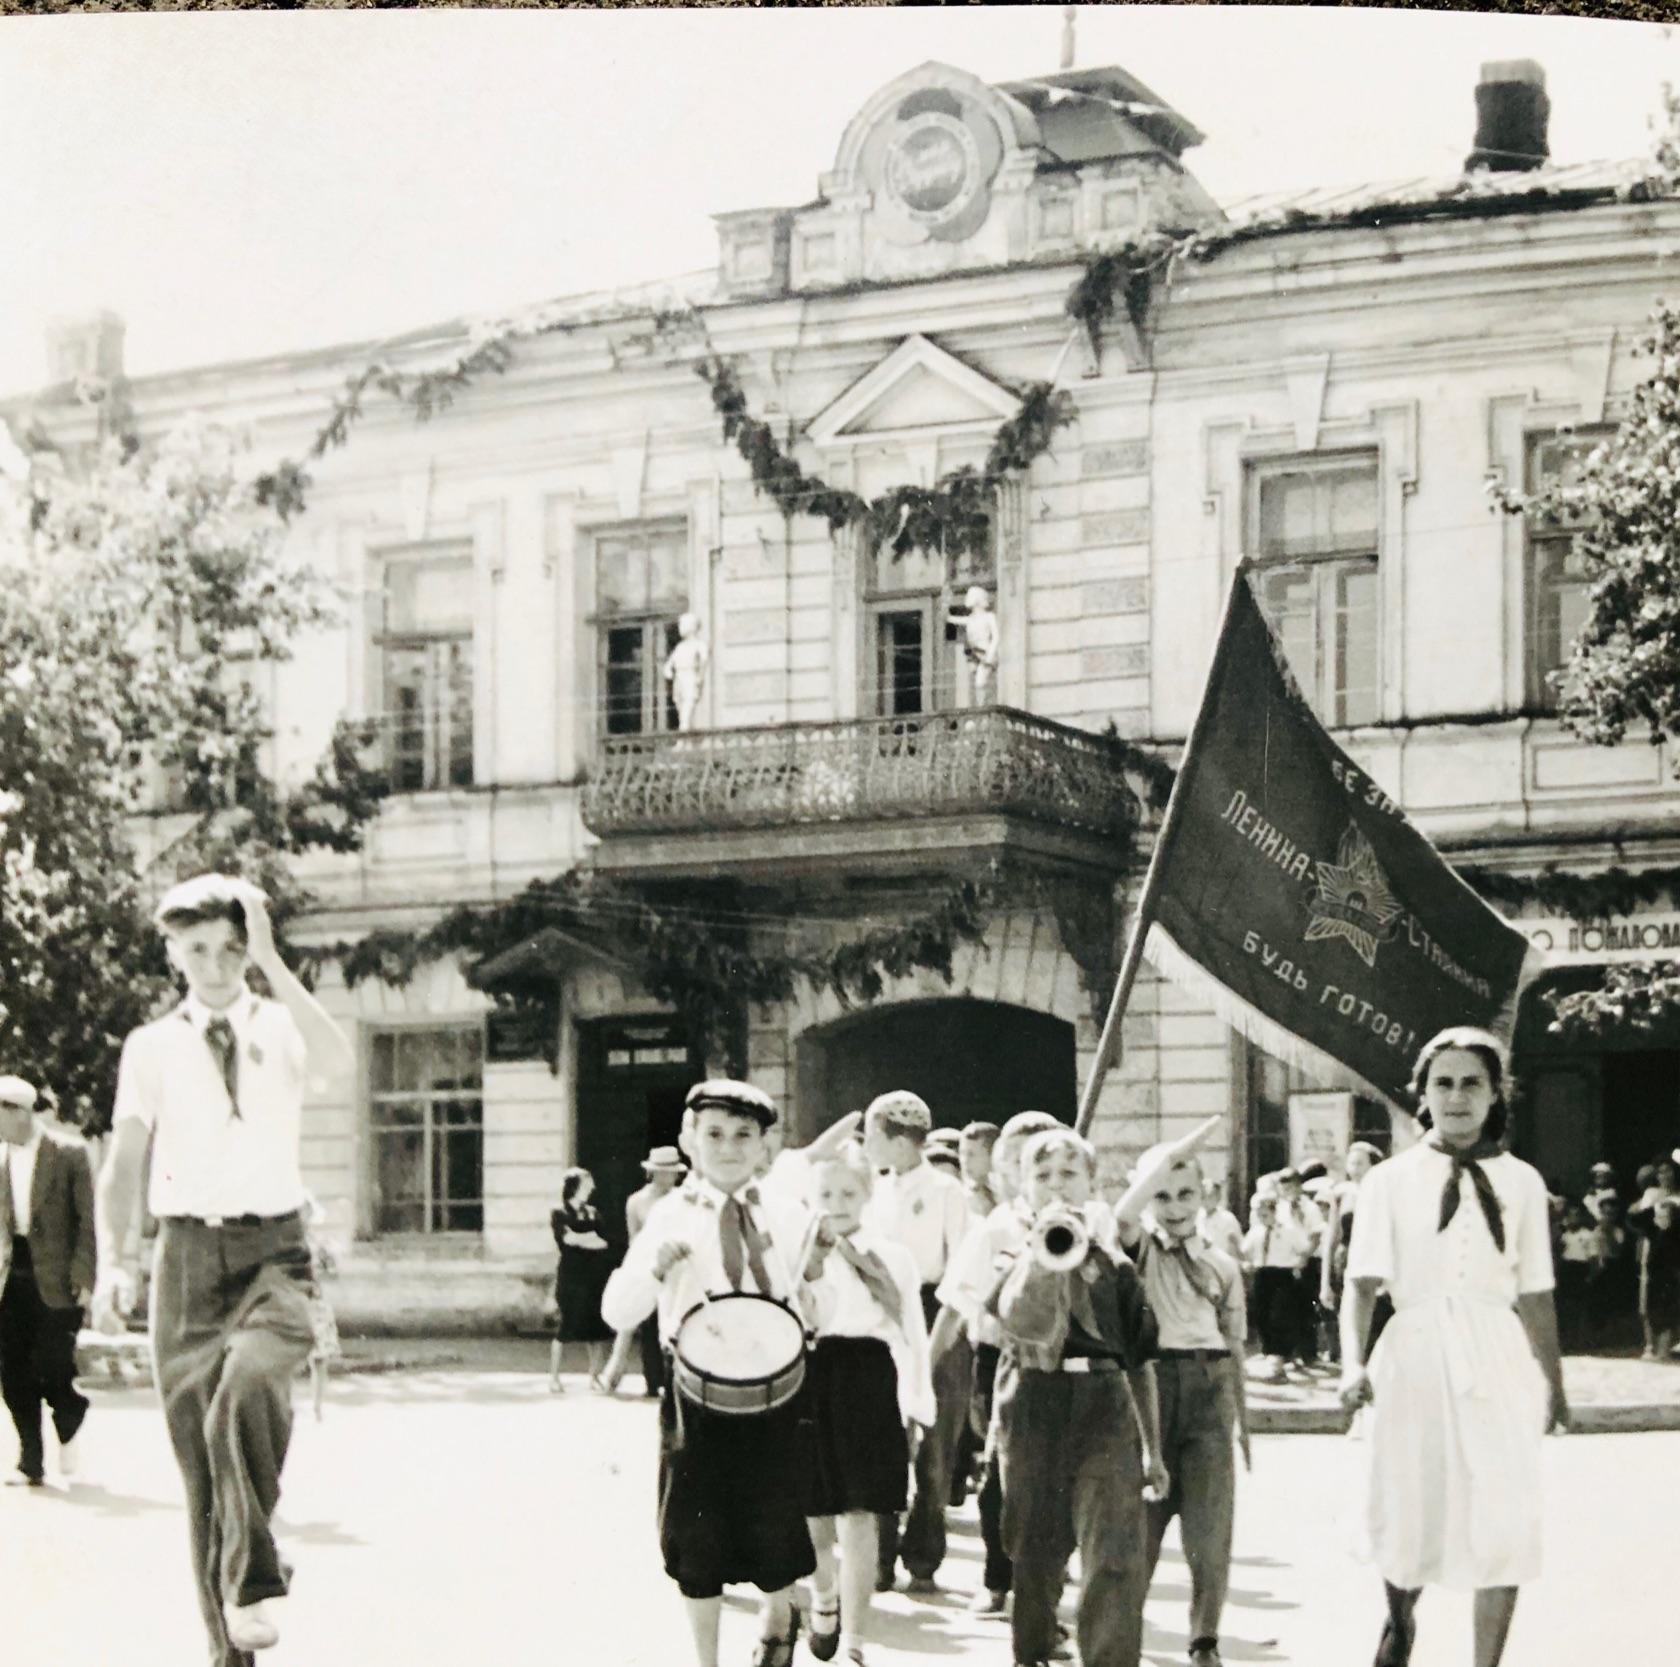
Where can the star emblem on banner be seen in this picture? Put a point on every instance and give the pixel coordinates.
(1353, 900)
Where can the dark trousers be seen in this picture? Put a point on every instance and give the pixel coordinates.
(653, 1356)
(1073, 1479)
(1198, 1413)
(998, 1575)
(922, 1542)
(37, 1361)
(230, 1328)
(1278, 1304)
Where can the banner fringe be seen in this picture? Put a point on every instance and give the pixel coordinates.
(1164, 954)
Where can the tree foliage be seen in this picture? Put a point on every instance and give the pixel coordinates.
(1623, 671)
(144, 596)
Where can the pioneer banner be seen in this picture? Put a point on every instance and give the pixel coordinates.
(1293, 891)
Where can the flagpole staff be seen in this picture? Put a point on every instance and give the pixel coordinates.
(1108, 1042)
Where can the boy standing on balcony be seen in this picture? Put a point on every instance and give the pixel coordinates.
(215, 1088)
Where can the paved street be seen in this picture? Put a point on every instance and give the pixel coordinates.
(454, 1516)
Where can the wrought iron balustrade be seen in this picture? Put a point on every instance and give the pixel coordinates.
(986, 760)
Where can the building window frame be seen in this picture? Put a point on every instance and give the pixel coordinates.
(1553, 583)
(429, 744)
(633, 633)
(392, 1110)
(927, 587)
(1323, 564)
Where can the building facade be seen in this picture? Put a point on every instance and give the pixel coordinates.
(1326, 393)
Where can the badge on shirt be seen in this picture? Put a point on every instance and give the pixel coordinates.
(256, 1054)
(916, 1208)
(1088, 1272)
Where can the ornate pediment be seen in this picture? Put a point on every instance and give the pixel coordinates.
(917, 389)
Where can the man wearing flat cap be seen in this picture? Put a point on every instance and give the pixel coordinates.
(47, 1269)
(215, 1089)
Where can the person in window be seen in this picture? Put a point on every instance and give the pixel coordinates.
(585, 1260)
(1467, 1376)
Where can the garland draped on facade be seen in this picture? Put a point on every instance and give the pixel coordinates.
(712, 959)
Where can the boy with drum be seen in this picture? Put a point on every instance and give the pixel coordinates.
(730, 1488)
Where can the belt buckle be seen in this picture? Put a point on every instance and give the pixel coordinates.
(1080, 1363)
(214, 1221)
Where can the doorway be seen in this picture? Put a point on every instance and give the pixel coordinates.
(970, 1060)
(633, 1075)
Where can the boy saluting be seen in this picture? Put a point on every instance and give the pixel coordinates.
(730, 1485)
(215, 1087)
(1196, 1294)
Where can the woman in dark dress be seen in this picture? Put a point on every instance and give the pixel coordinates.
(585, 1260)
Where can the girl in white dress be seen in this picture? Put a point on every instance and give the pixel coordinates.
(1467, 1375)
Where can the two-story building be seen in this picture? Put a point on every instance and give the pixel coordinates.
(1326, 392)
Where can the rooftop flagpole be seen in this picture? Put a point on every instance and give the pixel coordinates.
(1108, 1048)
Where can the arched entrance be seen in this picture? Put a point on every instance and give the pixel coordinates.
(968, 1059)
(1583, 1098)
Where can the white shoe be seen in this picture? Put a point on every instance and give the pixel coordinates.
(69, 1457)
(249, 1628)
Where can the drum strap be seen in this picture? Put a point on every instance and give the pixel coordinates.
(737, 1229)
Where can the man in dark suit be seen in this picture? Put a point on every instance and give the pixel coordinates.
(47, 1268)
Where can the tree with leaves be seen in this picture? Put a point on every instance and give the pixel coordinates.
(143, 589)
(1623, 671)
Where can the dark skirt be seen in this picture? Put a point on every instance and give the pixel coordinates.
(578, 1284)
(730, 1510)
(858, 1457)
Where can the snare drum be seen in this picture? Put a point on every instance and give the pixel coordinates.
(739, 1353)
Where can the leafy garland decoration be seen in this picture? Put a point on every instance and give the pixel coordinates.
(711, 974)
(954, 514)
(1616, 891)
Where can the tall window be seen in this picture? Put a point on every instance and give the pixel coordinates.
(913, 652)
(1313, 530)
(1556, 602)
(426, 1116)
(641, 591)
(424, 648)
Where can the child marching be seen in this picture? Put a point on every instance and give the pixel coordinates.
(1075, 1390)
(1195, 1292)
(730, 1482)
(868, 1380)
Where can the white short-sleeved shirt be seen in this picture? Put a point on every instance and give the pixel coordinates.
(205, 1161)
(849, 1309)
(692, 1215)
(1397, 1237)
(925, 1211)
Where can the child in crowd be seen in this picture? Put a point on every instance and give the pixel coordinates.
(926, 1211)
(1276, 1249)
(867, 1379)
(963, 1294)
(1196, 1295)
(1074, 1389)
(1613, 1286)
(975, 1152)
(730, 1484)
(1579, 1252)
(1658, 1226)
(1218, 1225)
(1600, 1186)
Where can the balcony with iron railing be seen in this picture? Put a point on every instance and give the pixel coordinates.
(892, 792)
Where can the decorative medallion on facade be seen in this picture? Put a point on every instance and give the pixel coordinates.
(1352, 899)
(931, 162)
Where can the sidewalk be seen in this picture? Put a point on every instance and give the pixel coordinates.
(1607, 1393)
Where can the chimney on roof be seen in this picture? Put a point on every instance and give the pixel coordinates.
(86, 349)
(1511, 113)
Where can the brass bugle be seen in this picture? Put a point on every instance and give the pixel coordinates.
(1059, 1239)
